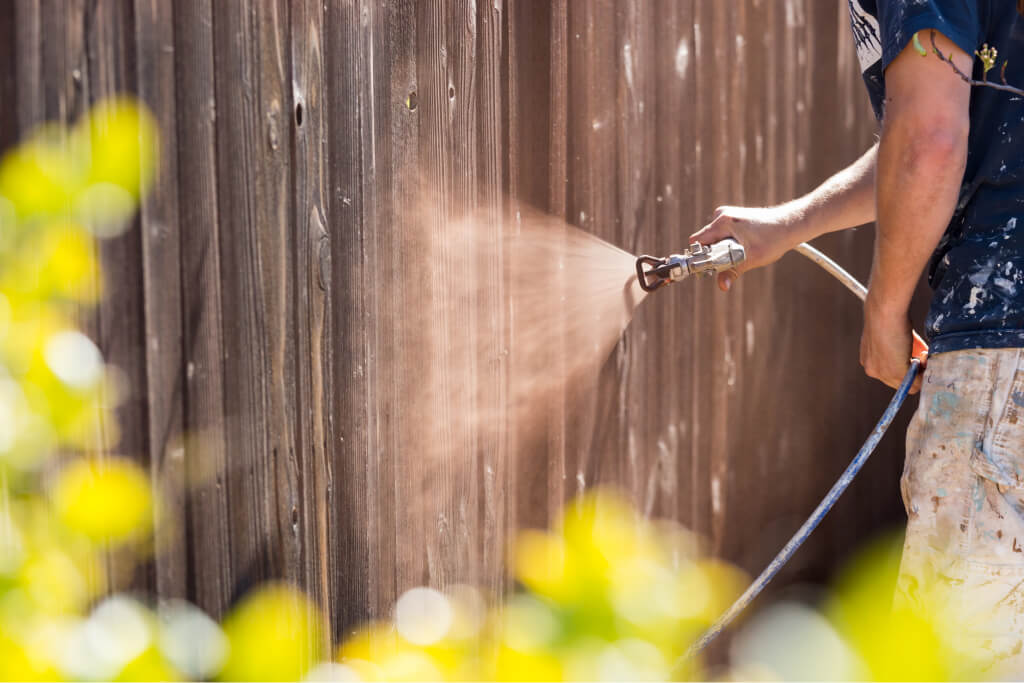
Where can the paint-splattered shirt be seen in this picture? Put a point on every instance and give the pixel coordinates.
(977, 271)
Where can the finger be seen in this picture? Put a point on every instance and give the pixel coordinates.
(710, 233)
(727, 278)
(719, 228)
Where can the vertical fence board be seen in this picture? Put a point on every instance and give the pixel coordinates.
(495, 476)
(209, 538)
(395, 125)
(8, 77)
(313, 300)
(108, 68)
(161, 272)
(353, 519)
(27, 63)
(257, 262)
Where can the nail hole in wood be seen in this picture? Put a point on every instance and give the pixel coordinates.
(298, 114)
(411, 101)
(451, 92)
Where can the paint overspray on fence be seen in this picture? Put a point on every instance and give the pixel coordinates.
(494, 335)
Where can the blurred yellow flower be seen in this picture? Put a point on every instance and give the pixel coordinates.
(124, 143)
(275, 634)
(107, 501)
(893, 644)
(40, 176)
(17, 662)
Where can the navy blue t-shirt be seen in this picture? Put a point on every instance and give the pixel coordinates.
(977, 271)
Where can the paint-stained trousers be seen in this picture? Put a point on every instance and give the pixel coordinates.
(963, 487)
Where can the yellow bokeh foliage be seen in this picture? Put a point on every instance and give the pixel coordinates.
(275, 634)
(107, 501)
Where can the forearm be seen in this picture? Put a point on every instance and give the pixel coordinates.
(920, 168)
(845, 200)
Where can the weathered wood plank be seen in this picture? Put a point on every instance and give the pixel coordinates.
(27, 63)
(594, 66)
(257, 275)
(495, 468)
(8, 76)
(353, 520)
(633, 459)
(209, 538)
(313, 297)
(161, 279)
(397, 104)
(107, 67)
(436, 529)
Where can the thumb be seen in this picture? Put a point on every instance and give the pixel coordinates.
(727, 278)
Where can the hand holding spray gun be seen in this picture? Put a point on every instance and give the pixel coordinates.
(725, 256)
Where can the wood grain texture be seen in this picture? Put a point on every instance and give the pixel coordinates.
(8, 76)
(260, 308)
(313, 300)
(208, 532)
(351, 206)
(159, 228)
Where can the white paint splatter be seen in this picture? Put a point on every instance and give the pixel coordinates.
(977, 296)
(750, 337)
(730, 365)
(682, 58)
(982, 274)
(627, 63)
(1006, 286)
(790, 14)
(716, 495)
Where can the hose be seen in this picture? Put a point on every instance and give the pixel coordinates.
(833, 495)
(834, 269)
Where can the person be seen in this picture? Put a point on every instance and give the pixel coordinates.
(945, 186)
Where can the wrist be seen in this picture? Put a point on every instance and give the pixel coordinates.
(792, 221)
(884, 306)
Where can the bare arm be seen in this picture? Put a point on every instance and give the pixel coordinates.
(845, 200)
(921, 159)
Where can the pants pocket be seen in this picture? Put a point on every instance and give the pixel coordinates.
(999, 457)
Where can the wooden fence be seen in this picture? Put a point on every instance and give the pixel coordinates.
(246, 314)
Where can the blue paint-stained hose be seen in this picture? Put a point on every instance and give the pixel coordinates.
(833, 495)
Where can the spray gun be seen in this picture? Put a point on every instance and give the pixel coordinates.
(654, 273)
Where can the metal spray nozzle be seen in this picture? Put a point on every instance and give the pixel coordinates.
(653, 272)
